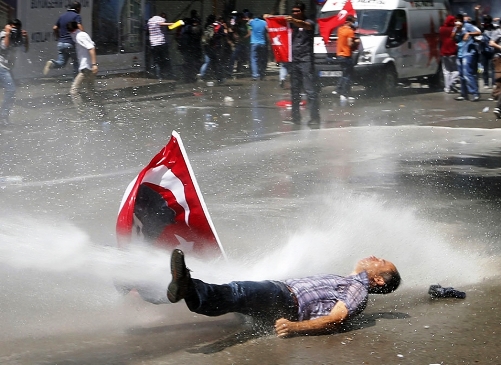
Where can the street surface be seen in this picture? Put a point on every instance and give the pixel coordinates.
(413, 178)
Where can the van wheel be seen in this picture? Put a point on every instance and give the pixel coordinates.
(386, 83)
(389, 80)
(437, 81)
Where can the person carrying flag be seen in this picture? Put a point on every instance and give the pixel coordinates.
(346, 42)
(311, 305)
(302, 68)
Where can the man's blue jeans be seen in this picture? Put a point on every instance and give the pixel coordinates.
(467, 67)
(65, 52)
(9, 92)
(258, 60)
(263, 299)
(344, 84)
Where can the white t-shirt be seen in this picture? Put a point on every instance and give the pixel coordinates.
(83, 44)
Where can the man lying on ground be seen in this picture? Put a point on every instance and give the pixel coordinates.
(311, 305)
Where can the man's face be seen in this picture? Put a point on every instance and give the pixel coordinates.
(297, 13)
(374, 265)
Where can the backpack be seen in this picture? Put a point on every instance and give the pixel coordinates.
(208, 36)
(483, 45)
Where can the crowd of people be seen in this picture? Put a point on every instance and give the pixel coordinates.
(219, 48)
(471, 46)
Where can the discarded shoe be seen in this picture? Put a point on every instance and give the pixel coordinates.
(460, 98)
(181, 278)
(436, 291)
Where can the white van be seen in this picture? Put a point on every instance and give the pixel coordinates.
(399, 40)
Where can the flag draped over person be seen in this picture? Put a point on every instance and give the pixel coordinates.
(327, 25)
(164, 205)
(281, 35)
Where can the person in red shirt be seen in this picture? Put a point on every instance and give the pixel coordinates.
(448, 52)
(346, 42)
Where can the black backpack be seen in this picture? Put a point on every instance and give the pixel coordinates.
(208, 36)
(483, 45)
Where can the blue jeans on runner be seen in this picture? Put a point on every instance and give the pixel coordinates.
(9, 92)
(65, 52)
(205, 66)
(467, 67)
(237, 55)
(258, 60)
(263, 299)
(344, 84)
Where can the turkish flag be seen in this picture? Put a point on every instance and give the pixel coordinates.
(163, 205)
(281, 35)
(327, 25)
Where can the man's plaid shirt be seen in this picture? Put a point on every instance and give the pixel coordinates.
(317, 295)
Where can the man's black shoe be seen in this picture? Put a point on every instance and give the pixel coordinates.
(181, 278)
(314, 122)
(436, 291)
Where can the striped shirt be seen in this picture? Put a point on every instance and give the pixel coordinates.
(157, 37)
(317, 295)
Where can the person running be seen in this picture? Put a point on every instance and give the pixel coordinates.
(65, 45)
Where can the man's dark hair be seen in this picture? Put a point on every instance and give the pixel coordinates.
(350, 18)
(460, 17)
(487, 19)
(17, 23)
(391, 282)
(75, 6)
(299, 5)
(72, 26)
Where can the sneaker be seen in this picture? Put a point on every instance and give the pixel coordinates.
(497, 113)
(487, 87)
(460, 98)
(334, 92)
(476, 98)
(436, 291)
(490, 99)
(181, 278)
(48, 65)
(282, 83)
(343, 98)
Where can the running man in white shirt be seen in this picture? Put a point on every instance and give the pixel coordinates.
(87, 70)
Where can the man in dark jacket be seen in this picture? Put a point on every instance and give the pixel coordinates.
(302, 68)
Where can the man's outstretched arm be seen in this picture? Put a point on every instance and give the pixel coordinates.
(286, 328)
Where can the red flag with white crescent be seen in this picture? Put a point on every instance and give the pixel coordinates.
(281, 36)
(164, 205)
(327, 25)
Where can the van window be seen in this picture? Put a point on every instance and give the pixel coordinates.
(397, 29)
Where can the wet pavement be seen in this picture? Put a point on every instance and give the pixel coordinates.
(413, 178)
